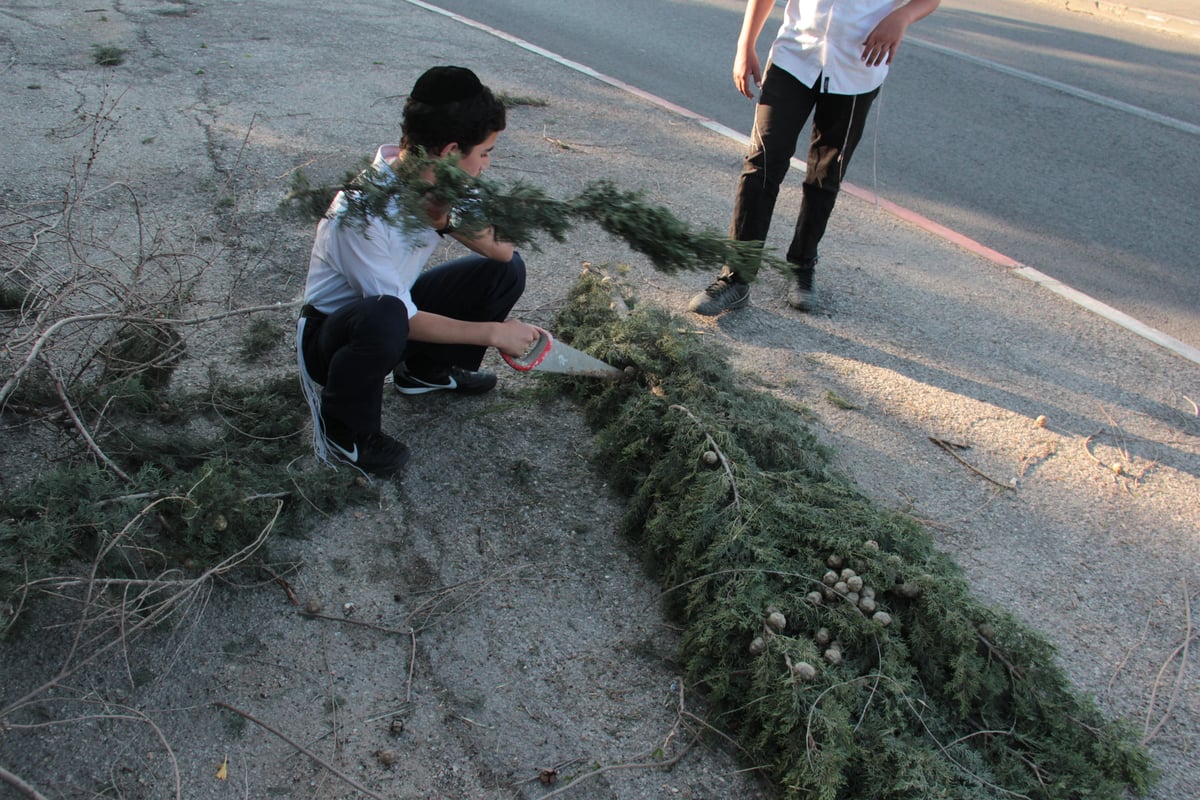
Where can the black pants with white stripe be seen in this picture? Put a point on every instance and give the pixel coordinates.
(350, 351)
(784, 105)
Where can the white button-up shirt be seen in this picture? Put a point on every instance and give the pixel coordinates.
(824, 38)
(349, 263)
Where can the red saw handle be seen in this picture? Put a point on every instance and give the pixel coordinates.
(535, 355)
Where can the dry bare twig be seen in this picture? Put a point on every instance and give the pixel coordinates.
(1123, 446)
(737, 498)
(1182, 652)
(1115, 467)
(335, 705)
(79, 426)
(20, 785)
(316, 758)
(357, 622)
(412, 665)
(99, 644)
(129, 715)
(282, 581)
(1128, 654)
(650, 763)
(145, 606)
(120, 316)
(477, 585)
(950, 447)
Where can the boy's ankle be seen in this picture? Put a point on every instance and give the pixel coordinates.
(337, 432)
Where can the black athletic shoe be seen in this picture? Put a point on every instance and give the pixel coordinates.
(800, 294)
(725, 293)
(800, 297)
(376, 453)
(446, 379)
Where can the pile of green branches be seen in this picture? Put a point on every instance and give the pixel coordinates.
(932, 694)
(191, 477)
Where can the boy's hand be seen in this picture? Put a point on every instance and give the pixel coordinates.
(881, 45)
(746, 69)
(515, 337)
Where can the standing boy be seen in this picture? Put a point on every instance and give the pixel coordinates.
(371, 308)
(829, 60)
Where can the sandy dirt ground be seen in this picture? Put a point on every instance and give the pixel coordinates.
(481, 624)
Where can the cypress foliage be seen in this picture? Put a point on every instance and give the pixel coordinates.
(520, 213)
(737, 511)
(929, 693)
(210, 463)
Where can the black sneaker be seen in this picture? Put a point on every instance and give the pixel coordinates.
(446, 379)
(800, 294)
(799, 297)
(723, 294)
(376, 453)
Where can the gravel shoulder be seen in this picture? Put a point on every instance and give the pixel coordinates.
(482, 620)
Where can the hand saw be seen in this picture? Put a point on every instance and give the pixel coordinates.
(551, 355)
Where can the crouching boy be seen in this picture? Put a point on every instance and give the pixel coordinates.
(371, 307)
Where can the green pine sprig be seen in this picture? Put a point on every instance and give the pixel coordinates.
(521, 213)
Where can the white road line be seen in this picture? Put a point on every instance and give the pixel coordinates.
(1108, 312)
(1065, 88)
(1013, 266)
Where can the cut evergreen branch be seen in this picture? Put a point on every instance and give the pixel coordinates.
(107, 55)
(262, 336)
(145, 474)
(218, 456)
(520, 213)
(734, 505)
(12, 298)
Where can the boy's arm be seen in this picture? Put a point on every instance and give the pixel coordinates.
(487, 245)
(881, 45)
(484, 242)
(511, 336)
(745, 60)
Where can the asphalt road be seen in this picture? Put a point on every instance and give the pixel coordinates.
(1064, 141)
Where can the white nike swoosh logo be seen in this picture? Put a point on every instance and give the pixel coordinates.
(453, 384)
(351, 455)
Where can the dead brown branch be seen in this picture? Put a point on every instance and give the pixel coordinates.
(81, 428)
(283, 583)
(21, 786)
(737, 498)
(950, 448)
(644, 761)
(1181, 652)
(316, 758)
(1088, 449)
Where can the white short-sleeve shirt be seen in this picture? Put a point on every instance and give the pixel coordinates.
(824, 38)
(350, 262)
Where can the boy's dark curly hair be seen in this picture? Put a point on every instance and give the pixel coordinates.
(449, 104)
